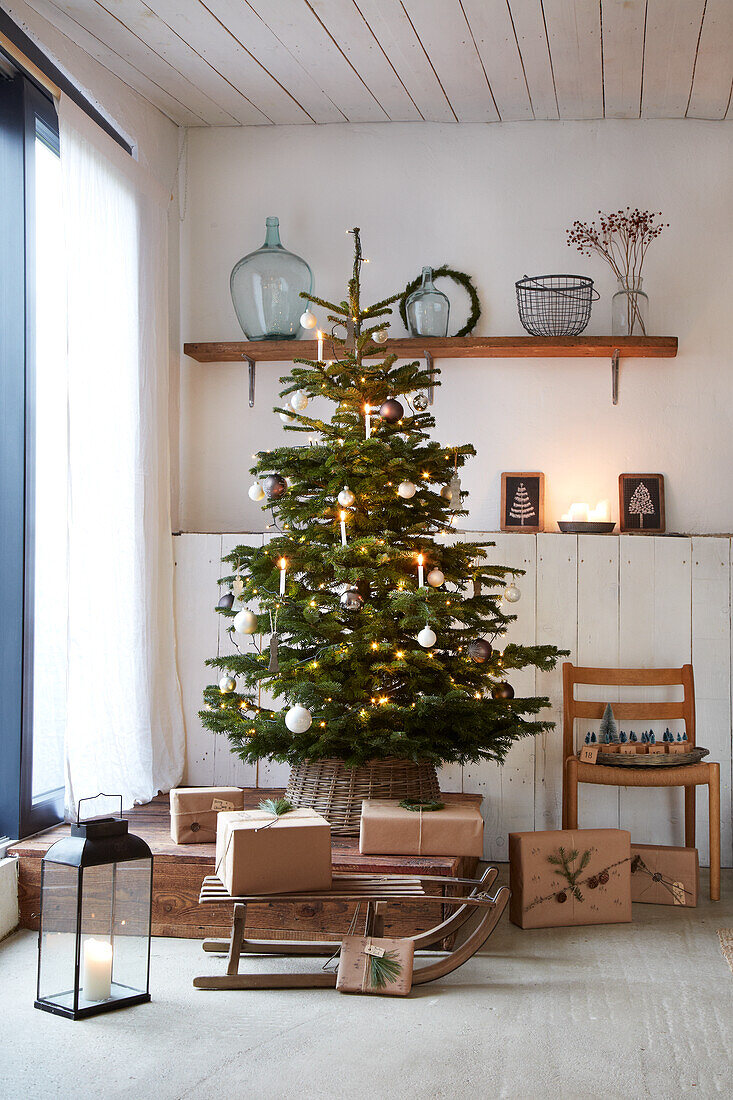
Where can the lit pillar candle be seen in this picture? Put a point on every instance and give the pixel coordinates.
(97, 970)
(420, 572)
(343, 528)
(283, 569)
(367, 421)
(603, 511)
(579, 513)
(320, 346)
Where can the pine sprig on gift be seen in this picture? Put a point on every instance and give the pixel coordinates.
(277, 806)
(384, 969)
(570, 874)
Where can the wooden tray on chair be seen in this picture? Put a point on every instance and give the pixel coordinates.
(651, 760)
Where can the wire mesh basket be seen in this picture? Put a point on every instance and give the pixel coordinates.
(555, 305)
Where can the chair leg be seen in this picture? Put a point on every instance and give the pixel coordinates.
(564, 796)
(571, 794)
(690, 817)
(714, 826)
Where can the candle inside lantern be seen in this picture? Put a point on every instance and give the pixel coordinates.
(343, 528)
(97, 970)
(320, 346)
(420, 572)
(367, 421)
(579, 513)
(283, 569)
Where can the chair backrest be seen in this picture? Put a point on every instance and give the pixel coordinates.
(627, 677)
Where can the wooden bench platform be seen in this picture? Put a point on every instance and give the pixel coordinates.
(179, 871)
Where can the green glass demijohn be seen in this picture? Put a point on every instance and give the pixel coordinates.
(427, 308)
(266, 286)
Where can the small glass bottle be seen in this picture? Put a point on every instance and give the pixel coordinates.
(629, 310)
(266, 287)
(427, 308)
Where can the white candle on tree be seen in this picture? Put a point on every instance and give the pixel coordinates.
(283, 570)
(343, 528)
(420, 572)
(320, 346)
(367, 421)
(97, 970)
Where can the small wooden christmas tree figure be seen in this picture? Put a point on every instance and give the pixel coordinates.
(522, 507)
(641, 503)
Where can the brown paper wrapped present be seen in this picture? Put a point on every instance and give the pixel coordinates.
(194, 811)
(663, 875)
(389, 829)
(258, 852)
(371, 965)
(570, 876)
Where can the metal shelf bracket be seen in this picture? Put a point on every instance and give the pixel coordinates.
(614, 375)
(251, 364)
(431, 387)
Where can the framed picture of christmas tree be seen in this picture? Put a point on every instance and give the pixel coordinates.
(641, 504)
(522, 502)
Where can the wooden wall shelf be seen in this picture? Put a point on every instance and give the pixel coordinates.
(450, 347)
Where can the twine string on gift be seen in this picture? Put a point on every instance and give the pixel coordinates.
(351, 931)
(670, 885)
(594, 880)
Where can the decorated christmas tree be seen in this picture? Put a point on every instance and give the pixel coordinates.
(375, 626)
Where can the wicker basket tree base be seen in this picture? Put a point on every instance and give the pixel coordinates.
(336, 791)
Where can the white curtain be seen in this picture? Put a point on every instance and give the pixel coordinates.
(125, 731)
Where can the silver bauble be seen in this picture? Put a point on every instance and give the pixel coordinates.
(420, 402)
(287, 418)
(380, 336)
(227, 685)
(346, 498)
(512, 594)
(352, 600)
(245, 622)
(255, 491)
(436, 578)
(446, 492)
(406, 489)
(299, 401)
(298, 719)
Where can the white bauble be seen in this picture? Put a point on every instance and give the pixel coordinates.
(227, 685)
(406, 489)
(346, 498)
(299, 401)
(287, 418)
(436, 578)
(245, 622)
(308, 319)
(380, 336)
(512, 593)
(255, 491)
(298, 719)
(427, 637)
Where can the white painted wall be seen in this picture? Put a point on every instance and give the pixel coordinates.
(494, 201)
(8, 895)
(155, 143)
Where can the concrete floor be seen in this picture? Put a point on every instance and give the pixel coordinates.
(619, 1011)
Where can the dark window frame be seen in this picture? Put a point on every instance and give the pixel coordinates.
(22, 106)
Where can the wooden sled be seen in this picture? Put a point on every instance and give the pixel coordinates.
(377, 891)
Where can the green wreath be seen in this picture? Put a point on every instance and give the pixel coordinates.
(459, 277)
(429, 805)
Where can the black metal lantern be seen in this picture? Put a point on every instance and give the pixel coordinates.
(94, 938)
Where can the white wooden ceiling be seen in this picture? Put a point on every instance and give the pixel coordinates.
(276, 62)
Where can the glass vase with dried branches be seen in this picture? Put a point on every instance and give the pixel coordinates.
(622, 240)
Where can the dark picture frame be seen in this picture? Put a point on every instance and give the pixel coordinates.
(641, 504)
(522, 502)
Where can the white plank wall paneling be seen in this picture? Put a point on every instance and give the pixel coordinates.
(283, 62)
(626, 600)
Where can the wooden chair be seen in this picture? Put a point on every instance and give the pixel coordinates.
(688, 776)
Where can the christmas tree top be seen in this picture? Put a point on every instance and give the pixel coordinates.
(384, 624)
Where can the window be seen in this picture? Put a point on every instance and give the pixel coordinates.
(33, 464)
